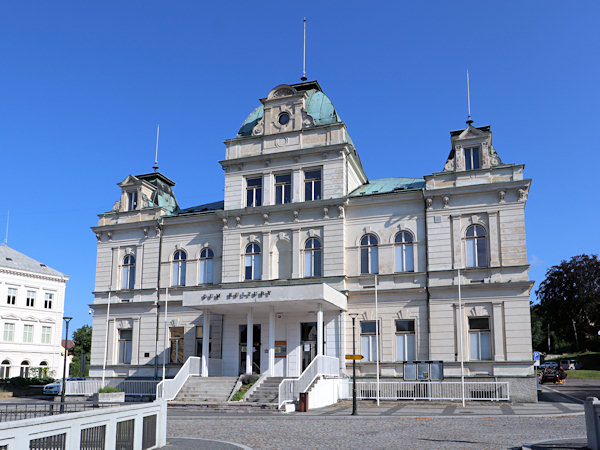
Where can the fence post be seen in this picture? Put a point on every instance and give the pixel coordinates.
(592, 422)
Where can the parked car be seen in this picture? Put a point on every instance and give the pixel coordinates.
(549, 365)
(571, 364)
(56, 387)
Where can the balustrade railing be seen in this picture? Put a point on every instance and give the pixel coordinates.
(130, 387)
(168, 389)
(432, 390)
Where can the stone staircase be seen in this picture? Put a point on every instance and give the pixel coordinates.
(267, 392)
(205, 389)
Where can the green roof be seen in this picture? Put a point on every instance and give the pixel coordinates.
(387, 185)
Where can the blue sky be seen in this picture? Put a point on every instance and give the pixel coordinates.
(84, 84)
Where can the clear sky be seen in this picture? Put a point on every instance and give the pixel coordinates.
(84, 84)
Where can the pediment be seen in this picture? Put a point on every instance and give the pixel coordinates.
(30, 319)
(47, 320)
(129, 181)
(283, 90)
(471, 132)
(10, 317)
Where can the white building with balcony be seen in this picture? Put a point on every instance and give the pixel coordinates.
(32, 297)
(302, 239)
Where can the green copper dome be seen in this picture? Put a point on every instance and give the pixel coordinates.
(317, 105)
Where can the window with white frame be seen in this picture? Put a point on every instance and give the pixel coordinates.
(252, 262)
(405, 340)
(179, 259)
(312, 258)
(254, 192)
(176, 341)
(283, 188)
(476, 246)
(404, 255)
(46, 333)
(132, 201)
(11, 297)
(128, 272)
(30, 299)
(369, 260)
(24, 369)
(48, 299)
(480, 343)
(9, 332)
(206, 266)
(368, 340)
(28, 333)
(472, 158)
(5, 369)
(312, 185)
(125, 340)
(43, 369)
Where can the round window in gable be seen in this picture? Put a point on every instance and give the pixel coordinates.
(284, 118)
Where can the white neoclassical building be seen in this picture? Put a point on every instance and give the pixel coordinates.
(32, 297)
(302, 239)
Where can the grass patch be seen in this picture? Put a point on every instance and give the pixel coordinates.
(590, 360)
(108, 389)
(584, 374)
(247, 383)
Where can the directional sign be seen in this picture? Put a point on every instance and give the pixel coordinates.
(354, 357)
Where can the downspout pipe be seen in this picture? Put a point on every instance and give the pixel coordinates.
(159, 227)
(427, 275)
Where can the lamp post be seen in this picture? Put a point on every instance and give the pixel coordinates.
(353, 315)
(62, 391)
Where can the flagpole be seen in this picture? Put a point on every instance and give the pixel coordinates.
(165, 336)
(460, 333)
(377, 337)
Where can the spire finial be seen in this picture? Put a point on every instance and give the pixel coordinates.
(155, 166)
(303, 77)
(6, 236)
(469, 121)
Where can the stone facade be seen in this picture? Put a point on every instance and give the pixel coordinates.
(303, 238)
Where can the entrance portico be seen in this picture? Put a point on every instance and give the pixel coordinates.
(277, 311)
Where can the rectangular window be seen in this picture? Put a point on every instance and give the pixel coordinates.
(125, 338)
(30, 300)
(368, 340)
(9, 332)
(472, 158)
(405, 340)
(11, 298)
(199, 336)
(312, 185)
(48, 300)
(176, 340)
(253, 192)
(46, 332)
(132, 201)
(28, 333)
(283, 189)
(480, 344)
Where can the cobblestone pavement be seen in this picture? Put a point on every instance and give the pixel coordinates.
(347, 432)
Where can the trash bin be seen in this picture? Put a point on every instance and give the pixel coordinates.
(303, 402)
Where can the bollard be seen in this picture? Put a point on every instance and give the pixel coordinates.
(592, 422)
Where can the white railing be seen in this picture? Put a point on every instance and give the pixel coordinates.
(168, 389)
(430, 390)
(289, 390)
(130, 387)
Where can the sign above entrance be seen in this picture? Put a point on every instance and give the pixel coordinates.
(359, 357)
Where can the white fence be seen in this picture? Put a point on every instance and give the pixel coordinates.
(130, 387)
(289, 390)
(168, 389)
(135, 426)
(428, 390)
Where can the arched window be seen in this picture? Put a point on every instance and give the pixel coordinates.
(403, 249)
(25, 369)
(5, 369)
(312, 258)
(476, 246)
(206, 266)
(179, 268)
(128, 272)
(368, 254)
(43, 369)
(252, 262)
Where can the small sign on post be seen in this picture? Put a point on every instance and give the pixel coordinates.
(536, 358)
(357, 357)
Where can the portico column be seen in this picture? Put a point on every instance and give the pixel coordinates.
(249, 342)
(320, 330)
(205, 341)
(272, 341)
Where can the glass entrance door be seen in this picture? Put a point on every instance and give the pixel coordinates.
(308, 342)
(255, 348)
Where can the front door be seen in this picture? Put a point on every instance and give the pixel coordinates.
(308, 342)
(255, 348)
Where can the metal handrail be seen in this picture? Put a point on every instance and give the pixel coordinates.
(433, 390)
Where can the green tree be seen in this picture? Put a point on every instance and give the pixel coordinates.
(82, 344)
(569, 300)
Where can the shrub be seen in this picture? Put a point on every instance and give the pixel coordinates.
(249, 379)
(108, 389)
